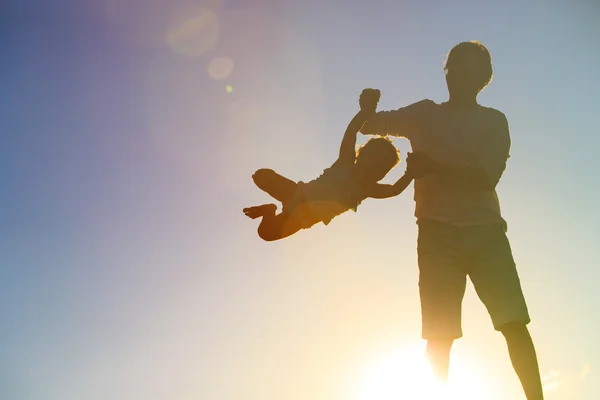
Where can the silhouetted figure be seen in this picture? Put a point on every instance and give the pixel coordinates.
(464, 146)
(342, 187)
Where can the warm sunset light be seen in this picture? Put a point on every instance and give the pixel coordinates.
(404, 373)
(131, 134)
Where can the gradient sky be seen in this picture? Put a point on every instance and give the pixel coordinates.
(127, 269)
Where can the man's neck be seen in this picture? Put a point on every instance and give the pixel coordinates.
(462, 102)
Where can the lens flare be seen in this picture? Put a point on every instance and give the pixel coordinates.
(220, 68)
(194, 36)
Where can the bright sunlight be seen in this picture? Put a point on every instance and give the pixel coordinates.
(404, 373)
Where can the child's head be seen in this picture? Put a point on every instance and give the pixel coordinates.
(376, 158)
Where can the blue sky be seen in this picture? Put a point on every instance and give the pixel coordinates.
(127, 269)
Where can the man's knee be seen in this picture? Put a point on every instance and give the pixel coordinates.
(512, 329)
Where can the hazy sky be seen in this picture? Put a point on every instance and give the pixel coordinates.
(129, 132)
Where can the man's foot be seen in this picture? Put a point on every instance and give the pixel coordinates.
(259, 211)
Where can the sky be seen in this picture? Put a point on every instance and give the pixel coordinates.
(129, 131)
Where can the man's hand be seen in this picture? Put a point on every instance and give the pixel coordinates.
(368, 100)
(419, 164)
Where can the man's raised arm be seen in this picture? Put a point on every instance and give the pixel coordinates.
(403, 122)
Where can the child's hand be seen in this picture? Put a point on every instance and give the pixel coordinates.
(419, 164)
(368, 100)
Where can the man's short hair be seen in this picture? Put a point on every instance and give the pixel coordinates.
(480, 52)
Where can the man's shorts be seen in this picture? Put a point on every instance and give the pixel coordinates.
(447, 255)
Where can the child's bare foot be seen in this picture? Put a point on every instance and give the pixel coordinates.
(259, 211)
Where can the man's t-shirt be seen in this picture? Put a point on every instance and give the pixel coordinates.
(473, 137)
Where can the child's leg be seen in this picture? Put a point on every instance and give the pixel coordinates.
(273, 226)
(277, 186)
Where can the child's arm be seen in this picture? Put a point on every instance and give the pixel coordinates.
(368, 107)
(384, 191)
(348, 146)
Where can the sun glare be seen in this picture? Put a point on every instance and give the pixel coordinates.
(404, 373)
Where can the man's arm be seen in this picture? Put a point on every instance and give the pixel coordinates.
(384, 191)
(403, 122)
(494, 151)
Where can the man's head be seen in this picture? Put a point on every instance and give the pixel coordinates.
(468, 69)
(376, 158)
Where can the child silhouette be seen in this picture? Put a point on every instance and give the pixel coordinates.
(352, 178)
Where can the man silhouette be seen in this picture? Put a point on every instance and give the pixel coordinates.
(463, 147)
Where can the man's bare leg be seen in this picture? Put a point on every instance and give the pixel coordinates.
(438, 353)
(524, 359)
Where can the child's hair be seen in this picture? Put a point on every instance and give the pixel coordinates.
(380, 147)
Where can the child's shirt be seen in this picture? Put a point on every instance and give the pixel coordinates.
(331, 194)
